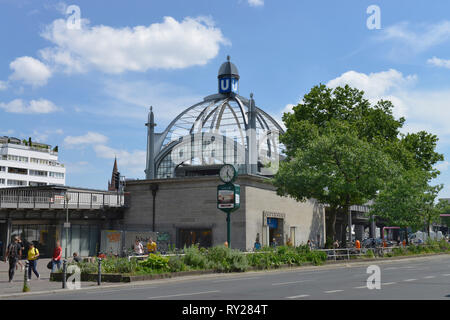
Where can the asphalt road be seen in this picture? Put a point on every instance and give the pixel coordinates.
(415, 278)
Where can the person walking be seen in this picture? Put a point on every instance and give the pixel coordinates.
(22, 248)
(57, 254)
(33, 255)
(13, 254)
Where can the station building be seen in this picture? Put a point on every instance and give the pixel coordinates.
(179, 194)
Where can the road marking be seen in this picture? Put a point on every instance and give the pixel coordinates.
(299, 296)
(429, 277)
(446, 274)
(333, 291)
(118, 290)
(362, 287)
(183, 294)
(282, 283)
(225, 280)
(388, 283)
(408, 280)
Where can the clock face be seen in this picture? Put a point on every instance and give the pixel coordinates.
(227, 173)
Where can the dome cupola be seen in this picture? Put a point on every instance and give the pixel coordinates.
(228, 78)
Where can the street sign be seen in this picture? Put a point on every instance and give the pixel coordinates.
(66, 224)
(228, 197)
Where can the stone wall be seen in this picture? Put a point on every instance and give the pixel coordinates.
(191, 203)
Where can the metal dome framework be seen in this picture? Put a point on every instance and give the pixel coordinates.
(223, 128)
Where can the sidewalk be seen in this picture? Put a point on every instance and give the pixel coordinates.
(43, 284)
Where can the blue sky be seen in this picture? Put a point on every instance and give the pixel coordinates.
(88, 90)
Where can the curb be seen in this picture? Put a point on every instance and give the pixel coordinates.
(211, 272)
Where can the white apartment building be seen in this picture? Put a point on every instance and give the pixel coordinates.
(25, 165)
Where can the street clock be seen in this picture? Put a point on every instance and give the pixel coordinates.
(227, 173)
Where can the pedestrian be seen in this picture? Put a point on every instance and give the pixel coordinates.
(22, 248)
(357, 244)
(257, 245)
(310, 246)
(274, 242)
(33, 255)
(336, 244)
(225, 244)
(138, 248)
(289, 242)
(57, 254)
(151, 246)
(13, 253)
(76, 257)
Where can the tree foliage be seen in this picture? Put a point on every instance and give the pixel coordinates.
(342, 151)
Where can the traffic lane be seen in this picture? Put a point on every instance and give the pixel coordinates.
(266, 285)
(257, 285)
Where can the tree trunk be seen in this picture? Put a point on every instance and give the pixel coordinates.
(331, 227)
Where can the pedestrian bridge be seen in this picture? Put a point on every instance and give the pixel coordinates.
(55, 197)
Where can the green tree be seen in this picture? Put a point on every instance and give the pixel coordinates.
(372, 128)
(321, 109)
(335, 168)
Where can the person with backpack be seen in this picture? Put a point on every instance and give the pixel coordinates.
(33, 254)
(13, 254)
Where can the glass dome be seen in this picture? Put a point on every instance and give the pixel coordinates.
(223, 128)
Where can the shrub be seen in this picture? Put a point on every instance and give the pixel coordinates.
(370, 254)
(154, 262)
(176, 264)
(195, 258)
(118, 265)
(227, 260)
(316, 257)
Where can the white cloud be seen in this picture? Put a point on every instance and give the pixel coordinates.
(30, 70)
(386, 85)
(256, 3)
(34, 106)
(88, 138)
(418, 41)
(424, 109)
(439, 62)
(167, 45)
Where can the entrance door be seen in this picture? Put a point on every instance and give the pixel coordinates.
(275, 231)
(190, 237)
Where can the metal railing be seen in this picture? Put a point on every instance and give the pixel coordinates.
(45, 199)
(349, 253)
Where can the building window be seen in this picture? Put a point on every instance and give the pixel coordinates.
(2, 181)
(11, 157)
(39, 161)
(36, 184)
(57, 175)
(38, 173)
(17, 170)
(3, 169)
(12, 182)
